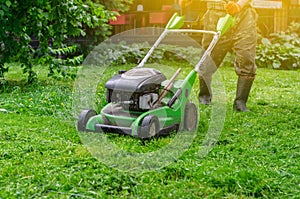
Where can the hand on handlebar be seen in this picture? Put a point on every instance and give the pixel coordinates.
(232, 8)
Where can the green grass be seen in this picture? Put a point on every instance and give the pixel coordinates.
(256, 156)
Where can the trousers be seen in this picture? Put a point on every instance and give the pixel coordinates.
(241, 39)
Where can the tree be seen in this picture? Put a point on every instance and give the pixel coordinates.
(117, 5)
(52, 23)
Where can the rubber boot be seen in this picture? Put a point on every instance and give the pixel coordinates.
(205, 92)
(242, 93)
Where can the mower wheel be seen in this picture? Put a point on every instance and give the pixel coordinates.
(190, 117)
(84, 117)
(149, 127)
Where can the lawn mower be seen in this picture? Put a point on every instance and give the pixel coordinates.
(143, 103)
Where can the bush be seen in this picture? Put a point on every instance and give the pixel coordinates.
(52, 24)
(123, 53)
(281, 51)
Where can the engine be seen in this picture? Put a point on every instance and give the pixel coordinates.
(136, 89)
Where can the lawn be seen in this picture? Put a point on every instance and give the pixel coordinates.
(257, 154)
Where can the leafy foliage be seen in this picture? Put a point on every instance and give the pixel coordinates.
(281, 51)
(51, 23)
(118, 5)
(123, 53)
(60, 65)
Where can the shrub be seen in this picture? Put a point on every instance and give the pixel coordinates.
(52, 24)
(123, 53)
(281, 51)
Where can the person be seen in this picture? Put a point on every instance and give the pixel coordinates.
(241, 39)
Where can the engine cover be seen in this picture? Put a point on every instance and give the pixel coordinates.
(135, 89)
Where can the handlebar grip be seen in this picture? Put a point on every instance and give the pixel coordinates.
(225, 23)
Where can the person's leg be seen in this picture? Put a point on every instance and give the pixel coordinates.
(245, 48)
(212, 63)
(242, 93)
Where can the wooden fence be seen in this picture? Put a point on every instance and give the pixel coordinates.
(274, 16)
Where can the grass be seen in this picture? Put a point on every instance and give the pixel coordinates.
(256, 156)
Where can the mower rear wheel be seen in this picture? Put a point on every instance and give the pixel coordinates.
(150, 126)
(84, 117)
(190, 117)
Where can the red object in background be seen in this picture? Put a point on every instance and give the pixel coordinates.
(121, 20)
(159, 17)
(166, 7)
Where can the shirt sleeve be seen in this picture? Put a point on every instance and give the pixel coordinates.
(242, 3)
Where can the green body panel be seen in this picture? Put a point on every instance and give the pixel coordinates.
(125, 119)
(97, 119)
(167, 117)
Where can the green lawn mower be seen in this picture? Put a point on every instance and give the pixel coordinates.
(143, 103)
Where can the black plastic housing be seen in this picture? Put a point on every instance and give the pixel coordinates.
(128, 88)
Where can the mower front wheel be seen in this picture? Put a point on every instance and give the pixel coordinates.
(190, 117)
(84, 117)
(150, 126)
